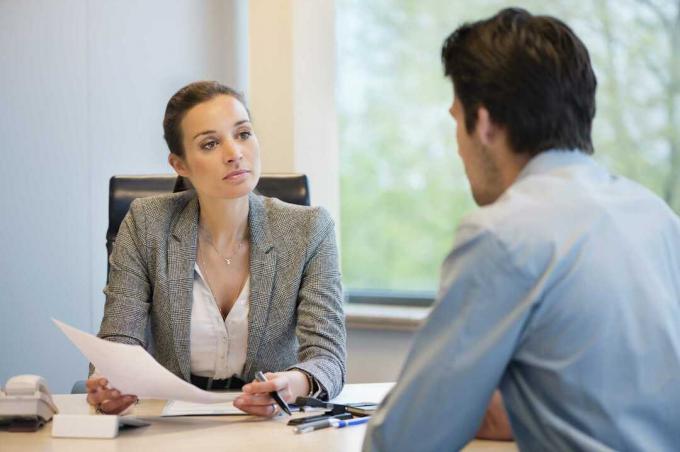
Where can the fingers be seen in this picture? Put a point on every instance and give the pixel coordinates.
(96, 387)
(276, 382)
(107, 400)
(256, 398)
(261, 399)
(118, 405)
(264, 411)
(258, 405)
(260, 387)
(93, 383)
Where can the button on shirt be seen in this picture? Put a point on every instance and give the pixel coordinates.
(218, 346)
(565, 293)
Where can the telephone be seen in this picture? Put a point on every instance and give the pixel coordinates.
(26, 403)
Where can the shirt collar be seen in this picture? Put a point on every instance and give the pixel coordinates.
(554, 158)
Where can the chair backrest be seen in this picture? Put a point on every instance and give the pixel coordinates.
(290, 188)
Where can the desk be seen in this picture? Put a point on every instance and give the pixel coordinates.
(203, 434)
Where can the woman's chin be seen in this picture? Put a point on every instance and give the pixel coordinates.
(234, 191)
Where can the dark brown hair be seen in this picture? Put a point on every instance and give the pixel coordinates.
(184, 100)
(533, 75)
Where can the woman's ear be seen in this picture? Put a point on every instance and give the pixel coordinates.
(178, 164)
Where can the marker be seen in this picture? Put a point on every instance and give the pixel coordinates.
(339, 423)
(259, 376)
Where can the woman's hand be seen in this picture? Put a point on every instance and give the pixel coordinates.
(256, 399)
(105, 399)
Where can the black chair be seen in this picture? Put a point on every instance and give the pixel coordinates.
(290, 188)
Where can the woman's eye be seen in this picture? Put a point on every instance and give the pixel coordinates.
(245, 134)
(208, 145)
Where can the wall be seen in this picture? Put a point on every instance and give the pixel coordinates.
(375, 356)
(291, 89)
(83, 87)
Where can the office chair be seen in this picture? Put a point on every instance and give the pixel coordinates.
(290, 188)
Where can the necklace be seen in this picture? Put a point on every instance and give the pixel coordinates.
(204, 267)
(227, 259)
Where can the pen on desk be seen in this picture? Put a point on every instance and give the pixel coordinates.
(259, 376)
(339, 423)
(312, 426)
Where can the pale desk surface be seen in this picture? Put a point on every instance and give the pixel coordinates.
(201, 434)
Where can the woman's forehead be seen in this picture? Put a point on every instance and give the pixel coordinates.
(220, 111)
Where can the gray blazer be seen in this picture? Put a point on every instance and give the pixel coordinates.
(296, 317)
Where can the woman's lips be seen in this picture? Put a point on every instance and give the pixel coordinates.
(236, 175)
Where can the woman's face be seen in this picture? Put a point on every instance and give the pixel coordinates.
(221, 152)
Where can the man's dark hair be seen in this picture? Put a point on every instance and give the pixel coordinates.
(184, 100)
(533, 75)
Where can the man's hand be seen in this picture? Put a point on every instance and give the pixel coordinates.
(495, 425)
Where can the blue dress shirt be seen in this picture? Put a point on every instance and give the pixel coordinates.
(565, 294)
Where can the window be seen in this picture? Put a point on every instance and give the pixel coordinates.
(403, 188)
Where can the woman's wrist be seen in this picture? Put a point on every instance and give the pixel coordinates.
(301, 384)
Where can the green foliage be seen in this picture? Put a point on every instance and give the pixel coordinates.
(403, 187)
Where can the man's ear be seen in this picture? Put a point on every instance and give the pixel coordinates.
(486, 130)
(178, 164)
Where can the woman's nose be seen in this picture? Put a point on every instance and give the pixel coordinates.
(231, 153)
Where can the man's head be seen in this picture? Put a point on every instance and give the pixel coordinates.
(523, 82)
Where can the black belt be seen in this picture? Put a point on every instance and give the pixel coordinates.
(209, 384)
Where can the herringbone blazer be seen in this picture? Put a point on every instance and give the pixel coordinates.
(296, 317)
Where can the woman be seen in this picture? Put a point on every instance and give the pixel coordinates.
(231, 282)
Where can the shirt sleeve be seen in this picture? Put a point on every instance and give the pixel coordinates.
(459, 356)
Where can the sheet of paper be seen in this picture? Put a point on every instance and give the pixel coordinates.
(131, 370)
(364, 392)
(179, 408)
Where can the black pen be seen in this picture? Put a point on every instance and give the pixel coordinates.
(259, 376)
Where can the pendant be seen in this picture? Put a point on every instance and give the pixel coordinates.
(228, 261)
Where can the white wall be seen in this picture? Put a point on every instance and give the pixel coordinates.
(83, 87)
(291, 90)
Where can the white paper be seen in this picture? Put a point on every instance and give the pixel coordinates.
(179, 408)
(351, 393)
(364, 392)
(131, 370)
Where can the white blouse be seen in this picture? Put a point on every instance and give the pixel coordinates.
(218, 347)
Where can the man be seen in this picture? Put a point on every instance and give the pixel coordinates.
(563, 290)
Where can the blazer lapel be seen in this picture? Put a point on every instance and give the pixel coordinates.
(181, 261)
(262, 273)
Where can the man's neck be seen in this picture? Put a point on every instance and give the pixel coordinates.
(511, 163)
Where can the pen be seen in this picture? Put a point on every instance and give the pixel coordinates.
(312, 426)
(339, 423)
(259, 376)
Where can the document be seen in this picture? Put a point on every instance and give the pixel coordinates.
(179, 408)
(363, 393)
(131, 370)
